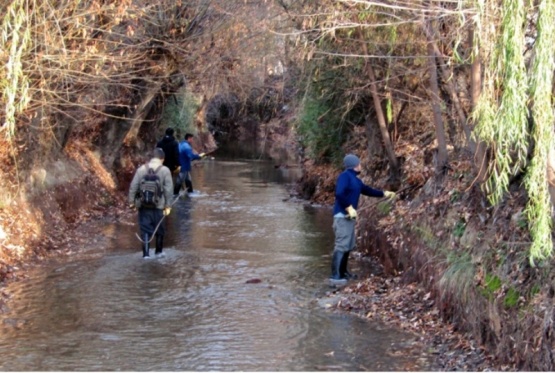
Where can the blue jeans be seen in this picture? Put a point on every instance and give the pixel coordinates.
(183, 177)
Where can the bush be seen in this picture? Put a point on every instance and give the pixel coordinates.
(320, 132)
(179, 113)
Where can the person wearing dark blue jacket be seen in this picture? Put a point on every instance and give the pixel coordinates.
(347, 192)
(186, 156)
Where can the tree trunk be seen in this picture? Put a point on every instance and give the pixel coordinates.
(441, 157)
(393, 161)
(448, 81)
(390, 152)
(140, 111)
(374, 145)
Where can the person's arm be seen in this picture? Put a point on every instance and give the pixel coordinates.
(167, 183)
(192, 155)
(371, 192)
(195, 156)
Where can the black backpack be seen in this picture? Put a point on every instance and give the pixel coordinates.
(150, 188)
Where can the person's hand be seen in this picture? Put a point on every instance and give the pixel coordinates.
(352, 213)
(388, 194)
(202, 155)
(167, 211)
(177, 170)
(132, 205)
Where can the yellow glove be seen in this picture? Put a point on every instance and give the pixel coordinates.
(389, 194)
(202, 155)
(167, 211)
(352, 212)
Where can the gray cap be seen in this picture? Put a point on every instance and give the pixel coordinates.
(158, 153)
(351, 161)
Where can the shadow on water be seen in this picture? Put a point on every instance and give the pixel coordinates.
(237, 290)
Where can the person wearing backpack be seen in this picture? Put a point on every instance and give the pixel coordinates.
(151, 193)
(186, 156)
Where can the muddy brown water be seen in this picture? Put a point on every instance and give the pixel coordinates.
(237, 290)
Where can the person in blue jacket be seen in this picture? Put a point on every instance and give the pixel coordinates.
(186, 156)
(347, 192)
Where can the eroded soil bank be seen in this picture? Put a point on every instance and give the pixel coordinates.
(447, 266)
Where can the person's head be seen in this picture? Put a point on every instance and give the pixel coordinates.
(188, 136)
(352, 161)
(169, 131)
(158, 153)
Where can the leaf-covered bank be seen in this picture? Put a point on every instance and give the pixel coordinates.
(448, 266)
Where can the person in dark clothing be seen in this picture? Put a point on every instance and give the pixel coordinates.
(186, 156)
(170, 146)
(150, 217)
(347, 192)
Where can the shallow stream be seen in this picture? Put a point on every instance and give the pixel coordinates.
(237, 290)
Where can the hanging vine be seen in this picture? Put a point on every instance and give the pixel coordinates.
(504, 113)
(539, 206)
(502, 118)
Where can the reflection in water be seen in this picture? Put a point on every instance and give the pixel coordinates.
(193, 309)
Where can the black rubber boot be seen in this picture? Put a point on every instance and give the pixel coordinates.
(159, 245)
(145, 246)
(176, 189)
(189, 186)
(336, 267)
(343, 272)
(177, 186)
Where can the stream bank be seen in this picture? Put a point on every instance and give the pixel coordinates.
(448, 269)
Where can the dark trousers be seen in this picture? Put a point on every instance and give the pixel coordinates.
(149, 219)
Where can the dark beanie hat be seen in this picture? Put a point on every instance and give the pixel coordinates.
(351, 161)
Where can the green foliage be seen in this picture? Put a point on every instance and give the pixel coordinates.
(179, 113)
(454, 196)
(459, 229)
(384, 207)
(389, 110)
(459, 275)
(535, 290)
(511, 298)
(539, 207)
(364, 15)
(491, 285)
(319, 131)
(522, 222)
(513, 97)
(504, 125)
